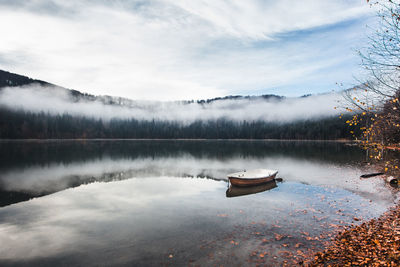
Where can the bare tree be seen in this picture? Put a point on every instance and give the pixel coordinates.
(382, 56)
(375, 103)
(381, 60)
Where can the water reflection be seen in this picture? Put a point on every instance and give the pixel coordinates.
(26, 153)
(143, 221)
(34, 169)
(234, 191)
(151, 203)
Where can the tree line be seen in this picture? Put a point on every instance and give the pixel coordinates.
(29, 125)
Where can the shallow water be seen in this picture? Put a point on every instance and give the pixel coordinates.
(151, 203)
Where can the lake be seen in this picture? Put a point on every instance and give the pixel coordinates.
(167, 203)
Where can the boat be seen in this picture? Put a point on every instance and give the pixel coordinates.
(252, 177)
(234, 191)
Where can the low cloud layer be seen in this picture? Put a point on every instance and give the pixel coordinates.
(50, 100)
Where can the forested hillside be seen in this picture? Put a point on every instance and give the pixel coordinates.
(12, 79)
(19, 124)
(40, 125)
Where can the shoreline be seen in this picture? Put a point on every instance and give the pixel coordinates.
(375, 242)
(176, 139)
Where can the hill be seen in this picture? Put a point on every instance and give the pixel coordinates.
(31, 108)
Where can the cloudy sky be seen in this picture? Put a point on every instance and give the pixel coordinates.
(185, 49)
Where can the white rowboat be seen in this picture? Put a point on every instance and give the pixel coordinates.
(252, 177)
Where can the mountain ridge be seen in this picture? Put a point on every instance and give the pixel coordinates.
(9, 79)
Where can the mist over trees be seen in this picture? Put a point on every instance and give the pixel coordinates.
(21, 125)
(208, 121)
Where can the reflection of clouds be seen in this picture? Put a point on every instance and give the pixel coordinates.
(37, 240)
(66, 221)
(162, 207)
(56, 177)
(154, 214)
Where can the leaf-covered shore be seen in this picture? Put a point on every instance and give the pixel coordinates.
(373, 243)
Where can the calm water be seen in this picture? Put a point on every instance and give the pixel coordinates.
(152, 203)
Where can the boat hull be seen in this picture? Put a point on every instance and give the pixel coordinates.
(250, 182)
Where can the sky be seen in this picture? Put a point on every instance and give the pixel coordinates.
(185, 49)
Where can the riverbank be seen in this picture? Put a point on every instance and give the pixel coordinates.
(376, 243)
(372, 243)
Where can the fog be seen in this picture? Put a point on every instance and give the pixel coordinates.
(54, 101)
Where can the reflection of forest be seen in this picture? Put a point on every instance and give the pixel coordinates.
(384, 159)
(23, 154)
(20, 156)
(11, 197)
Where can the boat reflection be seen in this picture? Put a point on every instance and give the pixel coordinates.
(234, 191)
